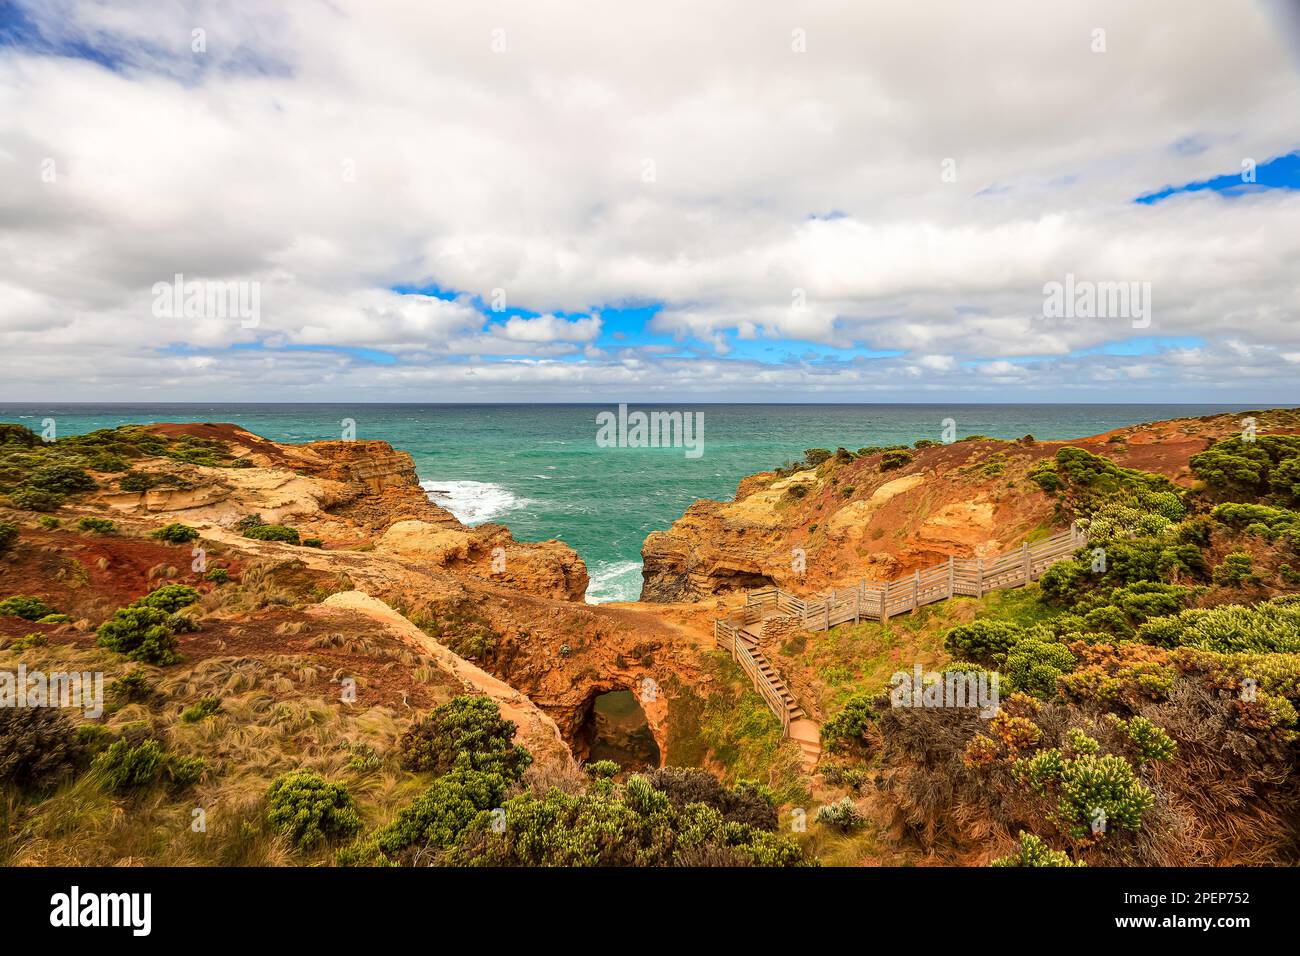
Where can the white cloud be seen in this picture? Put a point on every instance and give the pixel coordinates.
(331, 152)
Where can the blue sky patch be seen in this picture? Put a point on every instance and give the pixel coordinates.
(1281, 172)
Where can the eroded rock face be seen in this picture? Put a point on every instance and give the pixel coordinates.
(351, 495)
(847, 519)
(547, 568)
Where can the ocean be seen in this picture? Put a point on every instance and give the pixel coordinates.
(540, 470)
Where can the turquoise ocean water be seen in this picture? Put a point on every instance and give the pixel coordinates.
(538, 469)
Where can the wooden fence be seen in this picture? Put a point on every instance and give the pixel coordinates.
(728, 636)
(881, 600)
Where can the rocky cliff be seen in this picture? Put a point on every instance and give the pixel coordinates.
(878, 517)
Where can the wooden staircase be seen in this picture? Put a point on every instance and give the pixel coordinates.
(792, 709)
(740, 637)
(740, 631)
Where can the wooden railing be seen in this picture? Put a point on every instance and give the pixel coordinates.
(881, 600)
(728, 637)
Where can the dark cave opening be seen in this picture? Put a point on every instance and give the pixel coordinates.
(616, 729)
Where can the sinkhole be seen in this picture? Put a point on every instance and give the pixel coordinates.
(616, 729)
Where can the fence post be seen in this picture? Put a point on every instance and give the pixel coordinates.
(916, 589)
(1028, 561)
(952, 577)
(857, 606)
(830, 597)
(884, 603)
(979, 577)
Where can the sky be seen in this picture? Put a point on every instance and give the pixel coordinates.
(744, 200)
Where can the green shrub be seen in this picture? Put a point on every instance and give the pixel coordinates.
(141, 633)
(176, 533)
(1263, 521)
(18, 435)
(170, 598)
(26, 607)
(33, 499)
(842, 815)
(248, 522)
(217, 575)
(61, 479)
(815, 456)
(138, 481)
(1284, 481)
(1268, 627)
(97, 525)
(312, 543)
(309, 810)
(1236, 570)
(466, 732)
(1033, 665)
(894, 459)
(985, 641)
(132, 687)
(30, 641)
(602, 769)
(126, 766)
(204, 707)
(1086, 785)
(1236, 467)
(8, 535)
(746, 803)
(850, 725)
(1090, 481)
(1034, 852)
(106, 462)
(48, 522)
(272, 532)
(632, 824)
(1150, 742)
(37, 744)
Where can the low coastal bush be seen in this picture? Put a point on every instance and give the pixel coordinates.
(176, 533)
(27, 607)
(466, 732)
(170, 598)
(125, 766)
(33, 499)
(1034, 852)
(203, 708)
(894, 459)
(61, 479)
(309, 810)
(842, 815)
(8, 535)
(746, 803)
(1033, 665)
(1236, 570)
(1088, 787)
(142, 634)
(97, 525)
(1234, 467)
(1265, 628)
(983, 641)
(272, 532)
(146, 629)
(849, 727)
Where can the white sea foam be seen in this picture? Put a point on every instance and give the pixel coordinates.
(614, 581)
(473, 502)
